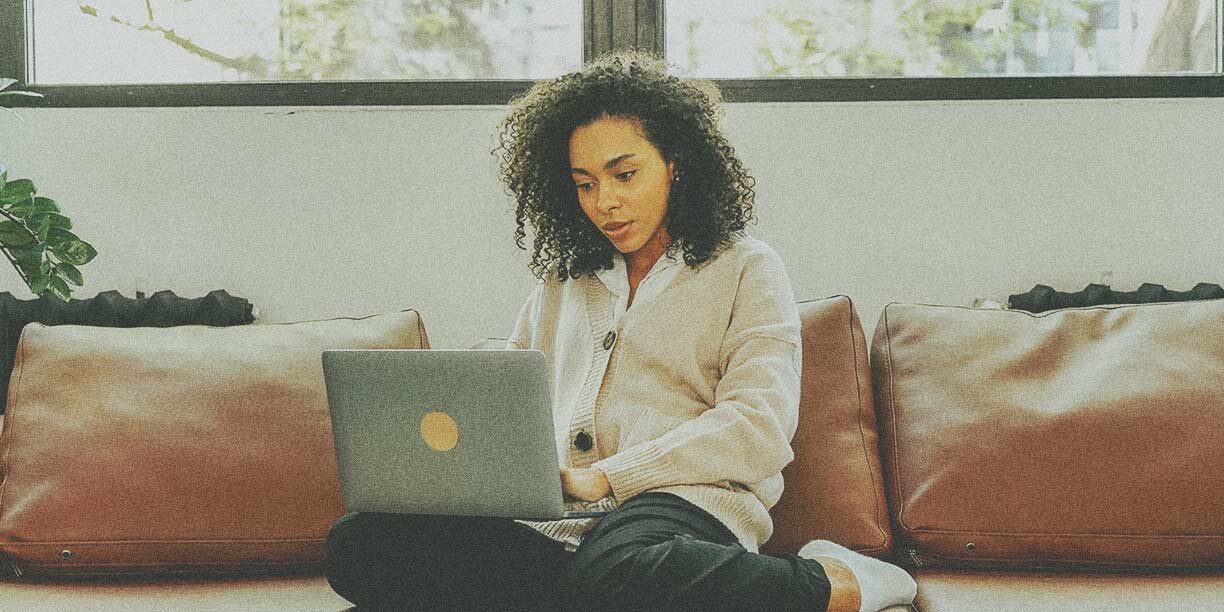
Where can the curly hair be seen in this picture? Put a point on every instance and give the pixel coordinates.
(711, 201)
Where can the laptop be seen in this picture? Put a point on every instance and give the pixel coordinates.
(447, 432)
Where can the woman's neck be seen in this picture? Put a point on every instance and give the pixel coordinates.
(642, 260)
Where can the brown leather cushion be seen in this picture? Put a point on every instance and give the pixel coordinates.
(947, 590)
(834, 487)
(1085, 436)
(180, 448)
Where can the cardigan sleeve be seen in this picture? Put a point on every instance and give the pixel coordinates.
(745, 436)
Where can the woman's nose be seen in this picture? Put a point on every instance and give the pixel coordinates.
(607, 199)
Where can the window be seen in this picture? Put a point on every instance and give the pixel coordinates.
(373, 52)
(949, 49)
(151, 41)
(941, 38)
(299, 52)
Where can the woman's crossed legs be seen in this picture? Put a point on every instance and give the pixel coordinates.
(655, 552)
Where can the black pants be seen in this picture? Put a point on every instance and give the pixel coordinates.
(655, 552)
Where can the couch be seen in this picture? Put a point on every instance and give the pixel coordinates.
(1062, 461)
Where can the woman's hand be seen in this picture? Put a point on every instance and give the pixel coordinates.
(586, 484)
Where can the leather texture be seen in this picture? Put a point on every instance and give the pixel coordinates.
(189, 448)
(947, 590)
(112, 309)
(835, 485)
(1079, 437)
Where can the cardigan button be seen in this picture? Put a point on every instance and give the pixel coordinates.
(609, 339)
(582, 441)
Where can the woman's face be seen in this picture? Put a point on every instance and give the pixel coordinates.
(621, 177)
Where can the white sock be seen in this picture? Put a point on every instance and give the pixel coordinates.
(881, 584)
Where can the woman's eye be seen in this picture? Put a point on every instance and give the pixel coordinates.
(624, 176)
(586, 186)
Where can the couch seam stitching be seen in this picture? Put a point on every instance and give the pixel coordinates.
(858, 391)
(893, 416)
(15, 391)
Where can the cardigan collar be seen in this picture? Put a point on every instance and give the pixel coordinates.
(617, 278)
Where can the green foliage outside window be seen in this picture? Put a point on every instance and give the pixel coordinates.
(956, 38)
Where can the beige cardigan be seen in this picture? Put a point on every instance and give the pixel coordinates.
(695, 392)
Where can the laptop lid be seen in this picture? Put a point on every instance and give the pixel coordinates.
(449, 432)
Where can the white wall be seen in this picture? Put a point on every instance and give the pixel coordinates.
(320, 212)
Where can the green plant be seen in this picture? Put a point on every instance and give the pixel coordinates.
(34, 235)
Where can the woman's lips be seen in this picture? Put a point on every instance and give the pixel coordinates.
(619, 232)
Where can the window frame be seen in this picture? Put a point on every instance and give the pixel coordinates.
(607, 25)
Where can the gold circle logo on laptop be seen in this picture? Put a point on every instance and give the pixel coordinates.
(439, 431)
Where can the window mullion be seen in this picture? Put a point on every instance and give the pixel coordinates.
(13, 40)
(650, 26)
(622, 24)
(1219, 14)
(596, 28)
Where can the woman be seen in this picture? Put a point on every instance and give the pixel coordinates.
(674, 351)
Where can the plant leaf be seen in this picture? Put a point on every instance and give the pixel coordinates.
(28, 268)
(39, 284)
(20, 189)
(23, 209)
(58, 236)
(3, 177)
(42, 204)
(9, 199)
(56, 220)
(6, 82)
(75, 252)
(12, 234)
(60, 221)
(29, 265)
(28, 94)
(71, 273)
(60, 288)
(27, 255)
(44, 228)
